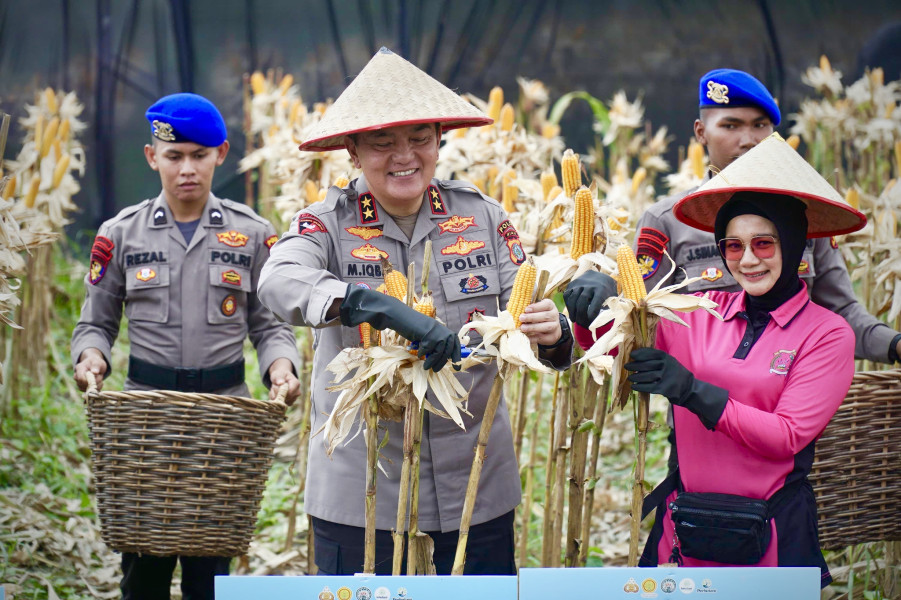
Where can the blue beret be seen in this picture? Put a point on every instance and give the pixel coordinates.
(186, 118)
(724, 88)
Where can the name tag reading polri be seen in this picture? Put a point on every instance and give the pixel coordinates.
(721, 583)
(361, 587)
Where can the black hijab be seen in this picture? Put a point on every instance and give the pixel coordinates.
(788, 215)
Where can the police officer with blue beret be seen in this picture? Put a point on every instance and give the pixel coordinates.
(184, 266)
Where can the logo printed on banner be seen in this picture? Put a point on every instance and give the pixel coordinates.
(307, 223)
(368, 212)
(668, 585)
(344, 593)
(435, 201)
(782, 361)
(326, 594)
(462, 246)
(232, 238)
(368, 252)
(270, 241)
(145, 274)
(687, 586)
(473, 284)
(229, 305)
(382, 593)
(631, 586)
(706, 587)
(364, 593)
(101, 254)
(366, 233)
(711, 274)
(456, 224)
(232, 277)
(648, 585)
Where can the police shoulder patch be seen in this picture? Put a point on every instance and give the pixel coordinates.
(101, 254)
(307, 223)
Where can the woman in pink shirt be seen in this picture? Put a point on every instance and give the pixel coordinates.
(752, 393)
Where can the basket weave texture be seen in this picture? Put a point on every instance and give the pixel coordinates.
(180, 473)
(856, 475)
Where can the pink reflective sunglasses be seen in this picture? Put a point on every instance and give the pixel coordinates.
(763, 246)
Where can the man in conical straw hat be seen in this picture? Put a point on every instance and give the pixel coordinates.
(751, 392)
(323, 274)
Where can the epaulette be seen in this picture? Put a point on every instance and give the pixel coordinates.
(244, 210)
(461, 185)
(129, 211)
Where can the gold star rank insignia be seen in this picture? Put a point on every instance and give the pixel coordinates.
(368, 211)
(436, 203)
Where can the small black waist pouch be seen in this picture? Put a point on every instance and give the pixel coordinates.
(721, 527)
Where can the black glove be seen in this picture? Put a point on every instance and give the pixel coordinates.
(657, 372)
(585, 296)
(437, 343)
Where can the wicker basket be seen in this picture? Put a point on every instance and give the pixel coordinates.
(180, 473)
(856, 475)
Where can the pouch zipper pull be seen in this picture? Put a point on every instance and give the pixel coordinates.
(676, 556)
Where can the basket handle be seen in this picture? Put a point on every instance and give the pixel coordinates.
(282, 393)
(92, 383)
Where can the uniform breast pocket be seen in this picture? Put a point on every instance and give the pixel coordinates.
(229, 287)
(713, 277)
(147, 293)
(468, 293)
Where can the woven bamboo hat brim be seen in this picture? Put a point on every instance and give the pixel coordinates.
(388, 92)
(773, 167)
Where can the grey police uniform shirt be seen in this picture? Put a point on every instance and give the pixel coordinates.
(696, 255)
(475, 256)
(187, 305)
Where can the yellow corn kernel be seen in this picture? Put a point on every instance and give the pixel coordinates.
(852, 197)
(583, 223)
(63, 134)
(57, 150)
(32, 191)
(285, 84)
(824, 64)
(342, 181)
(794, 141)
(629, 274)
(59, 171)
(395, 282)
(49, 136)
(549, 131)
(52, 104)
(366, 335)
(507, 117)
(258, 83)
(523, 285)
(312, 191)
(495, 102)
(10, 188)
(555, 191)
(382, 289)
(638, 178)
(426, 305)
(571, 172)
(696, 158)
(548, 182)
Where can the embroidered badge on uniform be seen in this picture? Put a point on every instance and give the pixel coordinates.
(803, 268)
(232, 277)
(368, 211)
(833, 242)
(517, 254)
(364, 233)
(229, 305)
(232, 238)
(307, 223)
(462, 246)
(782, 361)
(435, 201)
(473, 284)
(270, 241)
(718, 92)
(711, 274)
(651, 235)
(101, 254)
(456, 224)
(475, 311)
(159, 217)
(215, 216)
(651, 244)
(368, 252)
(507, 231)
(145, 274)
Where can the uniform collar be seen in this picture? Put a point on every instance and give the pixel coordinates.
(212, 216)
(782, 315)
(371, 214)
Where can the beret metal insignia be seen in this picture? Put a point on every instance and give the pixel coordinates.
(163, 131)
(718, 92)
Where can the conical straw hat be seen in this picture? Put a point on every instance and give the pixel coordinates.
(773, 167)
(390, 91)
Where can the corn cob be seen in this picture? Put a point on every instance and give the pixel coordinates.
(550, 131)
(52, 104)
(898, 157)
(342, 181)
(523, 285)
(492, 181)
(10, 188)
(382, 289)
(852, 197)
(629, 274)
(877, 77)
(32, 191)
(509, 191)
(555, 191)
(570, 171)
(64, 128)
(366, 335)
(49, 136)
(507, 117)
(638, 178)
(696, 158)
(59, 171)
(38, 132)
(320, 107)
(548, 181)
(426, 306)
(583, 224)
(258, 83)
(57, 150)
(312, 191)
(495, 102)
(479, 182)
(395, 282)
(824, 64)
(557, 219)
(794, 141)
(286, 82)
(459, 132)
